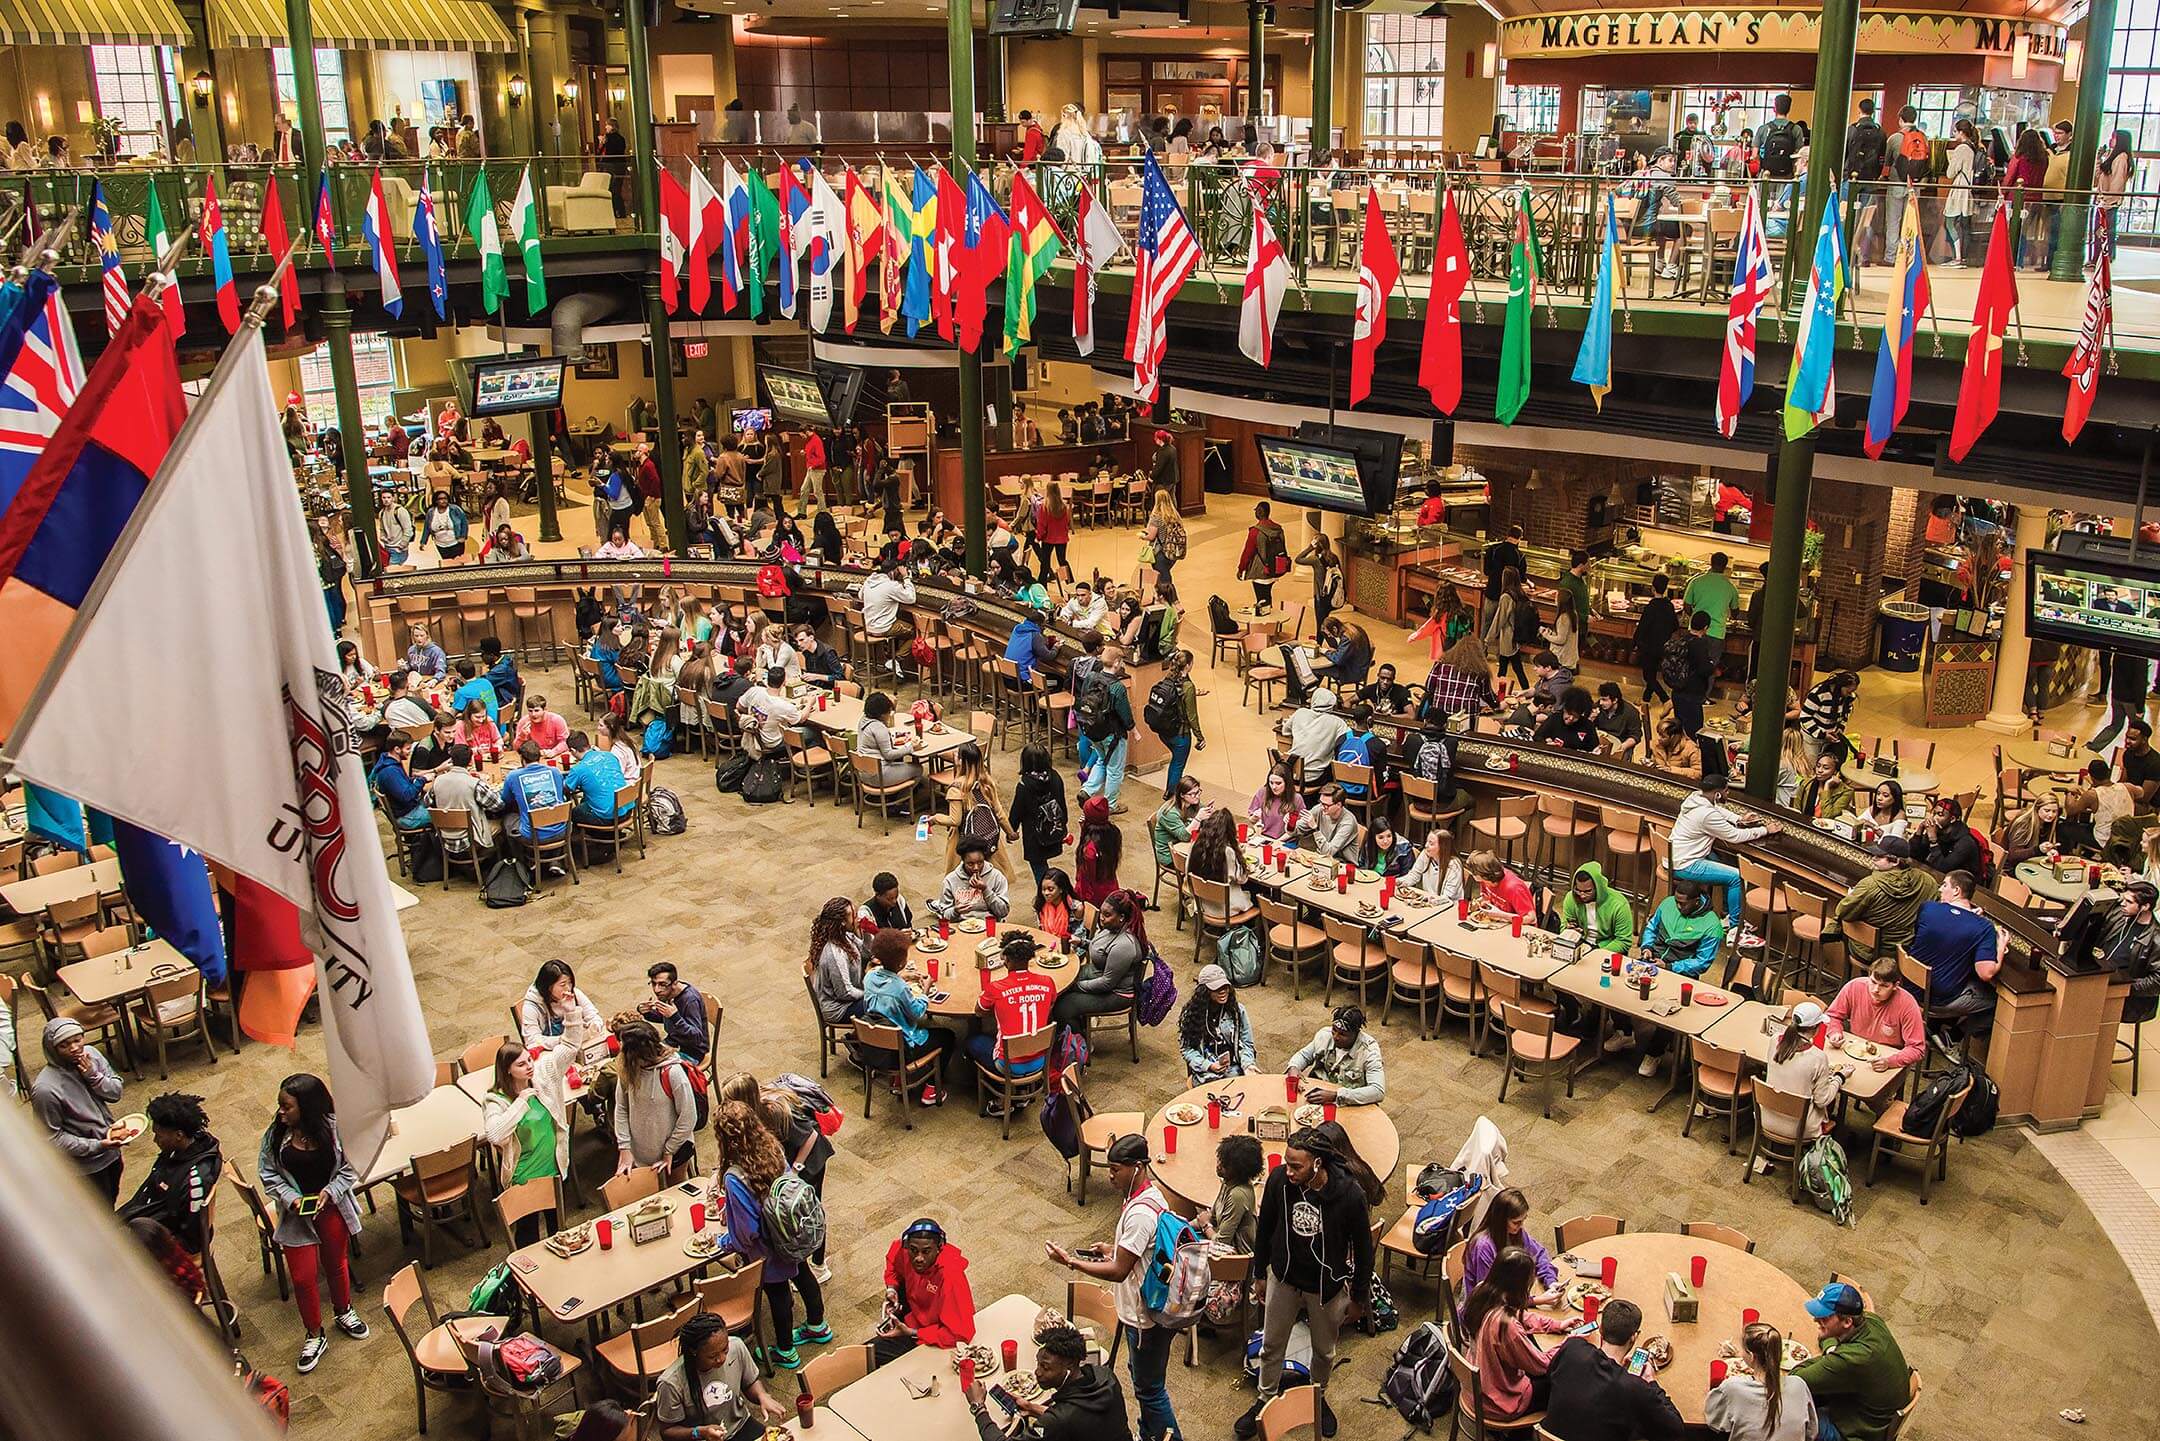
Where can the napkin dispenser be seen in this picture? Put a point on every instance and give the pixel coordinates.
(1681, 1303)
(1567, 945)
(650, 1222)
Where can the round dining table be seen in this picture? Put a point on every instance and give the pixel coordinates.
(2033, 755)
(1913, 780)
(2040, 878)
(961, 971)
(1733, 1280)
(1188, 1173)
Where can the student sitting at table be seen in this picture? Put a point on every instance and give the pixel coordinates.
(1764, 1402)
(1858, 1375)
(1328, 828)
(548, 733)
(1116, 961)
(524, 1116)
(1083, 610)
(1888, 897)
(1592, 1396)
(456, 788)
(1569, 725)
(1384, 694)
(424, 657)
(1619, 723)
(1822, 794)
(1214, 1032)
(403, 797)
(183, 1175)
(821, 664)
(1360, 746)
(1057, 912)
(1683, 934)
(1081, 1401)
(889, 1000)
(1876, 1008)
(1799, 1067)
(593, 781)
(1671, 749)
(310, 1187)
(1504, 1225)
(475, 729)
(1499, 887)
(555, 1013)
(532, 786)
(1173, 821)
(713, 1391)
(473, 686)
(838, 950)
(504, 546)
(499, 669)
(1437, 871)
(432, 752)
(1511, 1370)
(886, 909)
(1386, 852)
(1017, 1005)
(1341, 1063)
(402, 709)
(928, 1301)
(2034, 831)
(974, 887)
(1593, 907)
(1276, 806)
(1883, 810)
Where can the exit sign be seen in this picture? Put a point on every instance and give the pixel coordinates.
(696, 349)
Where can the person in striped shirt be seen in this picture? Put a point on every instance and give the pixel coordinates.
(1824, 711)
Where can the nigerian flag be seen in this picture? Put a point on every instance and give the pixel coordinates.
(1526, 267)
(764, 238)
(525, 226)
(480, 225)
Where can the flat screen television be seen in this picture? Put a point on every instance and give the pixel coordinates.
(515, 384)
(1379, 455)
(746, 421)
(2088, 592)
(842, 387)
(1309, 473)
(796, 395)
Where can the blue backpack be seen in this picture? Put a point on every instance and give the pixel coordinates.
(1436, 1216)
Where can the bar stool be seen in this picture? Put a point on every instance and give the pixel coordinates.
(1762, 895)
(1508, 827)
(474, 608)
(1559, 825)
(528, 615)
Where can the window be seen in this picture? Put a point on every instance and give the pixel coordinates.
(1726, 112)
(329, 81)
(1939, 106)
(373, 365)
(1405, 76)
(2133, 104)
(1531, 109)
(424, 86)
(128, 79)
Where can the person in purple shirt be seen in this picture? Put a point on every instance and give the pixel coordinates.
(1501, 1228)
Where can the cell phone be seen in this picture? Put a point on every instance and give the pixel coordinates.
(1004, 1398)
(571, 1305)
(307, 1205)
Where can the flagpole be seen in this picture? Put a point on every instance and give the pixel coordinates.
(46, 246)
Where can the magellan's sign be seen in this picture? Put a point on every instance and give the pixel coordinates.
(1598, 32)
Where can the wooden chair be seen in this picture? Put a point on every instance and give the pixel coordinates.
(1352, 959)
(456, 826)
(439, 1186)
(1506, 829)
(809, 763)
(543, 853)
(628, 825)
(1097, 1128)
(1912, 1404)
(1129, 1014)
(828, 1371)
(1769, 1101)
(480, 1055)
(1288, 1411)
(1212, 915)
(1565, 832)
(620, 1191)
(541, 1196)
(1470, 1421)
(1361, 792)
(1423, 809)
(721, 732)
(1011, 1091)
(1412, 977)
(438, 1353)
(55, 862)
(885, 1051)
(1536, 1048)
(868, 786)
(1720, 1085)
(271, 1254)
(733, 1297)
(66, 925)
(1582, 1230)
(101, 1024)
(1095, 1307)
(1717, 1231)
(1763, 901)
(1460, 997)
(1934, 1144)
(1502, 989)
(172, 1010)
(631, 1361)
(1231, 1269)
(1289, 942)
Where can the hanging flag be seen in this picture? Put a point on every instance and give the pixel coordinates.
(1164, 254)
(50, 816)
(160, 241)
(892, 258)
(424, 231)
(382, 240)
(951, 220)
(1903, 305)
(922, 245)
(1593, 363)
(1994, 307)
(827, 223)
(2097, 331)
(1751, 288)
(42, 376)
(219, 545)
(865, 239)
(1035, 246)
(1526, 267)
(487, 237)
(112, 279)
(979, 257)
(221, 273)
(525, 230)
(1096, 244)
(1810, 387)
(674, 238)
(169, 891)
(326, 234)
(1267, 276)
(761, 238)
(279, 242)
(794, 202)
(726, 234)
(1378, 270)
(1440, 353)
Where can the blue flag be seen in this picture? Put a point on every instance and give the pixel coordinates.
(922, 240)
(1593, 363)
(438, 286)
(61, 819)
(170, 891)
(1810, 390)
(40, 374)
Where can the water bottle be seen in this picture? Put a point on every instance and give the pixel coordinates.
(922, 828)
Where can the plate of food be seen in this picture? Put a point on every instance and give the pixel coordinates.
(703, 1248)
(1021, 1385)
(1184, 1113)
(1053, 961)
(931, 945)
(569, 1242)
(131, 1127)
(1321, 881)
(1367, 877)
(1796, 1352)
(1861, 1050)
(1308, 1115)
(1368, 910)
(1711, 998)
(984, 1358)
(1659, 1350)
(972, 926)
(1571, 1295)
(1416, 899)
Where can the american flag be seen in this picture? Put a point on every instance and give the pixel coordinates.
(39, 390)
(1750, 297)
(1164, 255)
(114, 278)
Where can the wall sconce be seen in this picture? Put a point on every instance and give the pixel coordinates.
(1489, 62)
(2020, 57)
(567, 95)
(85, 112)
(516, 88)
(615, 94)
(199, 87)
(2074, 57)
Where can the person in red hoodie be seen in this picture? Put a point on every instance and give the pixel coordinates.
(927, 1298)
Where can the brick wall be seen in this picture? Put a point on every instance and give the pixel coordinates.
(1856, 522)
(1907, 535)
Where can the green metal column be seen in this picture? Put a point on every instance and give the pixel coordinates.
(1255, 59)
(359, 493)
(993, 87)
(307, 94)
(960, 60)
(1796, 458)
(641, 123)
(544, 474)
(2092, 82)
(199, 54)
(1323, 76)
(523, 140)
(670, 453)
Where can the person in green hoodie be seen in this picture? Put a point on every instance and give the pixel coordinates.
(1601, 913)
(1859, 1381)
(1683, 934)
(1889, 898)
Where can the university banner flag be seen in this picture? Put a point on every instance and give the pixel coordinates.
(1526, 267)
(1903, 305)
(674, 238)
(2096, 333)
(1751, 289)
(382, 240)
(1378, 270)
(1165, 253)
(1267, 277)
(279, 242)
(112, 279)
(221, 271)
(160, 240)
(525, 230)
(1440, 350)
(430, 240)
(1593, 363)
(1096, 243)
(487, 237)
(214, 574)
(1810, 388)
(1994, 307)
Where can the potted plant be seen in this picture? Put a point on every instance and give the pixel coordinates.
(105, 136)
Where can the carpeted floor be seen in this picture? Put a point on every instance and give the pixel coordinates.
(2003, 1291)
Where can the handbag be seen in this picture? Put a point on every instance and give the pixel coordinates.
(1147, 552)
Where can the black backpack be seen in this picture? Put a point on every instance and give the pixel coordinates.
(1676, 667)
(1778, 146)
(1922, 1116)
(728, 775)
(1096, 711)
(1977, 1116)
(1864, 146)
(1419, 1383)
(507, 884)
(1218, 615)
(1165, 709)
(764, 781)
(1529, 629)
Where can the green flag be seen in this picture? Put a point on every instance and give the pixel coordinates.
(525, 225)
(1032, 250)
(1526, 267)
(764, 237)
(480, 225)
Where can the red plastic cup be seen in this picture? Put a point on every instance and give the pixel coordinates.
(614, 1044)
(1462, 908)
(933, 970)
(1717, 1372)
(1515, 926)
(944, 930)
(1289, 1086)
(2092, 875)
(1342, 883)
(967, 1373)
(1749, 1315)
(1214, 1115)
(1267, 853)
(989, 925)
(1273, 1160)
(1242, 830)
(1609, 1270)
(1282, 862)
(1614, 961)
(1169, 1140)
(1009, 1353)
(604, 1232)
(1327, 1111)
(806, 1406)
(1687, 993)
(1591, 1305)
(1697, 1268)
(697, 1215)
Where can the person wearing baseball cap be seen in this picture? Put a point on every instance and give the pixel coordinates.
(1799, 1067)
(1859, 1380)
(1147, 1345)
(1888, 898)
(1214, 1033)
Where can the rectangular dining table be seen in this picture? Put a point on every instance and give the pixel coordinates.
(882, 1407)
(582, 1286)
(435, 1122)
(37, 893)
(120, 976)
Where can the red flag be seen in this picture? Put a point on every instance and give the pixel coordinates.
(1440, 356)
(1378, 270)
(674, 237)
(1980, 390)
(2083, 367)
(267, 945)
(949, 241)
(980, 255)
(274, 236)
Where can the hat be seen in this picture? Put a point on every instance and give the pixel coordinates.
(1892, 848)
(1807, 1015)
(1836, 1299)
(1162, 435)
(1212, 978)
(1129, 1150)
(1322, 699)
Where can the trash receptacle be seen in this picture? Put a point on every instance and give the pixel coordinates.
(1902, 628)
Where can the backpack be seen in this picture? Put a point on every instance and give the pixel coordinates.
(1158, 989)
(1175, 1273)
(1926, 1109)
(664, 815)
(1239, 951)
(521, 1363)
(659, 739)
(1165, 708)
(728, 775)
(507, 884)
(1171, 541)
(794, 1217)
(1984, 871)
(1296, 1360)
(1676, 667)
(496, 1293)
(1419, 1384)
(1433, 762)
(1916, 155)
(772, 582)
(1823, 1175)
(1977, 1116)
(1218, 617)
(1529, 630)
(1864, 145)
(698, 1082)
(1380, 1311)
(265, 1391)
(1778, 146)
(1096, 711)
(1436, 1214)
(815, 1097)
(763, 782)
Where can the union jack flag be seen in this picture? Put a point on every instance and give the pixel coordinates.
(114, 279)
(1163, 256)
(1750, 297)
(41, 385)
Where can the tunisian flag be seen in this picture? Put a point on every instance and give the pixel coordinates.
(1378, 271)
(1980, 391)
(1440, 356)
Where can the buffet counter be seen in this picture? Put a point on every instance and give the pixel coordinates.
(1124, 457)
